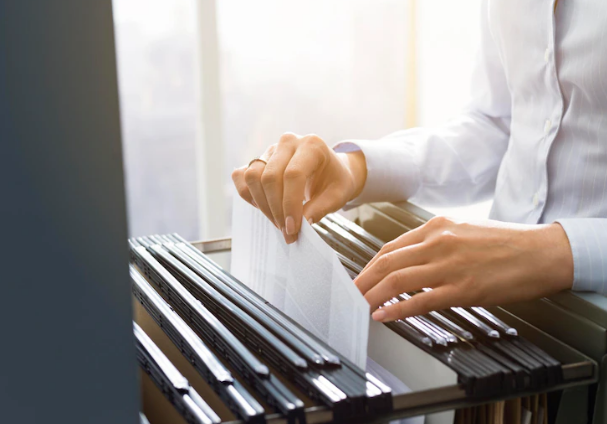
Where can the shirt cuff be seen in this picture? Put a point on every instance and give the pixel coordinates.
(392, 174)
(588, 240)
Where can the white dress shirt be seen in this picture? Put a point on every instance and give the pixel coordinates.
(534, 135)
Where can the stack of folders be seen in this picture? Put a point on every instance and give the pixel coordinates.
(259, 361)
(170, 381)
(231, 336)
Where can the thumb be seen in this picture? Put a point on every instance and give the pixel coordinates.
(329, 200)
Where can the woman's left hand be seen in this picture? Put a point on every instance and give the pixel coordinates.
(467, 264)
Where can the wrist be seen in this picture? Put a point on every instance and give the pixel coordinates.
(555, 242)
(356, 165)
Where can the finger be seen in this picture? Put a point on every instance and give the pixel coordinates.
(402, 281)
(252, 176)
(329, 200)
(241, 185)
(272, 180)
(309, 157)
(419, 304)
(411, 237)
(268, 153)
(405, 257)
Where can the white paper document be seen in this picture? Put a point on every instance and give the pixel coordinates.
(305, 280)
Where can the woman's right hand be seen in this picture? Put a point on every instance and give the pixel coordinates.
(300, 168)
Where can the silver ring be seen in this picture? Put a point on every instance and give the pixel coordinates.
(255, 160)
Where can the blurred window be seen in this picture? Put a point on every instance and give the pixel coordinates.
(156, 49)
(340, 68)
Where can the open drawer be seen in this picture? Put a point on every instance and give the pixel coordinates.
(433, 386)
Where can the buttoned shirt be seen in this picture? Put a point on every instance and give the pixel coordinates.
(534, 136)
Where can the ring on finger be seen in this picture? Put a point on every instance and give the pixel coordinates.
(255, 160)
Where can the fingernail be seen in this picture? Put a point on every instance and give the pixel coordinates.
(310, 221)
(289, 239)
(379, 315)
(290, 225)
(277, 224)
(254, 204)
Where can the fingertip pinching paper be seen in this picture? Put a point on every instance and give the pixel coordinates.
(305, 280)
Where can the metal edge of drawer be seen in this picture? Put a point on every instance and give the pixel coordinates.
(592, 306)
(441, 399)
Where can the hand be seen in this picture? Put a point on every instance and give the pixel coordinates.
(467, 264)
(300, 168)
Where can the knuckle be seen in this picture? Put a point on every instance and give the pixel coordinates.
(236, 174)
(402, 310)
(252, 176)
(272, 149)
(313, 140)
(268, 178)
(388, 247)
(383, 264)
(287, 137)
(319, 213)
(423, 303)
(394, 283)
(292, 173)
(316, 144)
(447, 237)
(438, 222)
(449, 241)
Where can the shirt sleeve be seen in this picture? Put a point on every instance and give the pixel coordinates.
(454, 164)
(588, 240)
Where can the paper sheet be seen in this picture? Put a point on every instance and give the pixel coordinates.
(305, 280)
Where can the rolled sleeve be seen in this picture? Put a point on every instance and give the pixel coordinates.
(392, 172)
(588, 240)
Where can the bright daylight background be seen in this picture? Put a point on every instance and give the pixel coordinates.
(206, 85)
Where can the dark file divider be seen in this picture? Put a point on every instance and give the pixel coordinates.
(377, 399)
(274, 393)
(219, 378)
(235, 290)
(346, 389)
(169, 380)
(283, 351)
